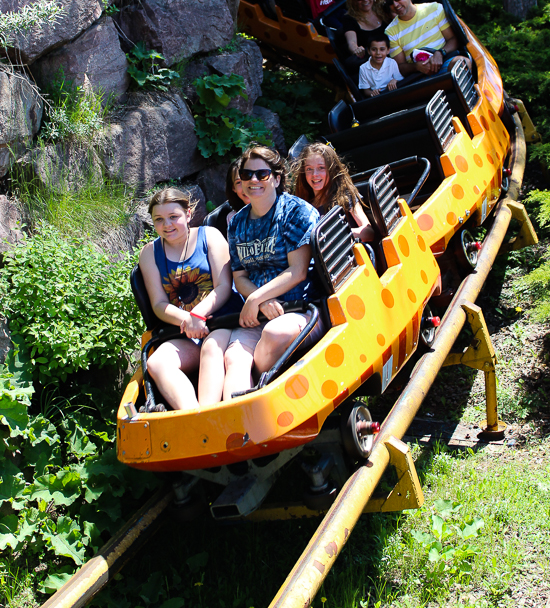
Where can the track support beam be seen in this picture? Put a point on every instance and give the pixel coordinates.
(407, 493)
(480, 354)
(526, 235)
(87, 581)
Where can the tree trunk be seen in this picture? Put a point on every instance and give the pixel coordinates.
(519, 8)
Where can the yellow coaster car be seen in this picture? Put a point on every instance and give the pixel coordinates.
(431, 161)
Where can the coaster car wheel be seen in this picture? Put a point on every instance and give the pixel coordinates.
(428, 325)
(358, 431)
(321, 501)
(470, 247)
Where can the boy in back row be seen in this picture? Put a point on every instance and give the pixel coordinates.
(380, 72)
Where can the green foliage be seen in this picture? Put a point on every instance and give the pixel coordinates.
(61, 487)
(220, 129)
(97, 204)
(71, 112)
(69, 304)
(522, 51)
(447, 547)
(301, 104)
(30, 16)
(537, 282)
(145, 70)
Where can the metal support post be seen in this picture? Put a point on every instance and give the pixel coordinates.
(407, 493)
(526, 235)
(481, 355)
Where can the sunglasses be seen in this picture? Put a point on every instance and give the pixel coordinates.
(261, 174)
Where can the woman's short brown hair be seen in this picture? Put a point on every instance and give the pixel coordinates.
(173, 195)
(270, 157)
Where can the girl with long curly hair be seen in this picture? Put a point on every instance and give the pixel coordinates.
(322, 179)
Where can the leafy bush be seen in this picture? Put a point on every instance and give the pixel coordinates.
(145, 70)
(62, 486)
(521, 49)
(222, 130)
(537, 282)
(70, 305)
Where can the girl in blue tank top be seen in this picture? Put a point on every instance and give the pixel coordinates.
(188, 279)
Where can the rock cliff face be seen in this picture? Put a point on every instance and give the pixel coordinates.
(20, 116)
(78, 16)
(149, 138)
(178, 29)
(93, 59)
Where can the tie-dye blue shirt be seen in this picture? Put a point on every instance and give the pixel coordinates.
(261, 246)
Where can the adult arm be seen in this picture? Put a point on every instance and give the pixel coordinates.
(264, 297)
(434, 63)
(353, 47)
(451, 44)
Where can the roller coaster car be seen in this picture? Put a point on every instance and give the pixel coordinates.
(376, 314)
(288, 27)
(374, 327)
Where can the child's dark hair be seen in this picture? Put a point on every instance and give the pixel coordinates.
(380, 38)
(232, 174)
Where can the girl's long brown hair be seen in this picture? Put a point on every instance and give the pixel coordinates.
(339, 189)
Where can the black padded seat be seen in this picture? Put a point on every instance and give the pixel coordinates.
(142, 298)
(218, 218)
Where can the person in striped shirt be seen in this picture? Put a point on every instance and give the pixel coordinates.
(422, 26)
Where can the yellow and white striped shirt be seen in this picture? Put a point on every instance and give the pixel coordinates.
(423, 30)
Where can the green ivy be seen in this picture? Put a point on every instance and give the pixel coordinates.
(62, 490)
(69, 304)
(145, 70)
(222, 130)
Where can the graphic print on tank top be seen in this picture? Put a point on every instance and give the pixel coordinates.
(186, 283)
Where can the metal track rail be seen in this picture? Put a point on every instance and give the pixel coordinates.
(314, 564)
(96, 573)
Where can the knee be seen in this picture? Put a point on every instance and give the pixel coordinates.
(155, 364)
(210, 348)
(235, 357)
(279, 332)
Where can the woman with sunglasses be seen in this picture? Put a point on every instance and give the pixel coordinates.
(271, 263)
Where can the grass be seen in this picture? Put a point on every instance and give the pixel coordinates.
(77, 197)
(383, 565)
(16, 586)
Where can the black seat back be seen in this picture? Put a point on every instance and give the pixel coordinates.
(142, 298)
(332, 246)
(218, 218)
(383, 197)
(340, 117)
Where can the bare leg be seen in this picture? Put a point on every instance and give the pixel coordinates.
(212, 367)
(277, 336)
(168, 366)
(238, 369)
